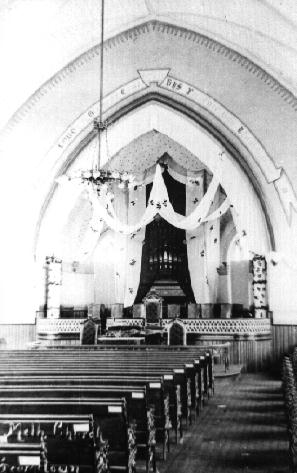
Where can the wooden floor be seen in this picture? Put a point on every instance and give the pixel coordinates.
(241, 430)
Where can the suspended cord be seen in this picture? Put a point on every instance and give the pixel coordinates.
(100, 126)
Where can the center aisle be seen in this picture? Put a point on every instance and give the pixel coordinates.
(246, 431)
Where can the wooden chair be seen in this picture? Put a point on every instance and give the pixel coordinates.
(89, 331)
(153, 307)
(177, 333)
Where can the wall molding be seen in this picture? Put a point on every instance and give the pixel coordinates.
(161, 28)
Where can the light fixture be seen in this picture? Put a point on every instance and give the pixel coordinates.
(99, 177)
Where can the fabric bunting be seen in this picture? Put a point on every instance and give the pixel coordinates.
(159, 203)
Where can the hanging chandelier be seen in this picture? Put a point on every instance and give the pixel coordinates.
(97, 176)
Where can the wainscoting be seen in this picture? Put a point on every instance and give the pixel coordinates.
(284, 339)
(252, 352)
(17, 336)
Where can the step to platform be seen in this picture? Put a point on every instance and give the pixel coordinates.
(231, 374)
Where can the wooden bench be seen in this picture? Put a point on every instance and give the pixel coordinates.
(139, 412)
(54, 441)
(289, 372)
(191, 352)
(107, 357)
(156, 398)
(112, 368)
(187, 355)
(132, 387)
(27, 458)
(183, 377)
(114, 439)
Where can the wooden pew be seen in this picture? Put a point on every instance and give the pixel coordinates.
(155, 398)
(64, 440)
(139, 412)
(27, 458)
(114, 440)
(289, 371)
(82, 385)
(196, 351)
(105, 356)
(179, 378)
(189, 353)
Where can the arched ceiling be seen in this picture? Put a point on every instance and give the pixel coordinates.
(38, 38)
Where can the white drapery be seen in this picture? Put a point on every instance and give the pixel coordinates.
(158, 203)
(212, 255)
(203, 247)
(136, 208)
(120, 245)
(104, 261)
(91, 237)
(196, 242)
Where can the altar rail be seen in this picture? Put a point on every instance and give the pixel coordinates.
(198, 326)
(248, 327)
(208, 326)
(65, 330)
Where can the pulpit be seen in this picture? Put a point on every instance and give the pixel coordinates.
(153, 308)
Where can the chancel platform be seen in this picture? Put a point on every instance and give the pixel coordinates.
(250, 339)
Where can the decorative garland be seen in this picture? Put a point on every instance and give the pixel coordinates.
(158, 203)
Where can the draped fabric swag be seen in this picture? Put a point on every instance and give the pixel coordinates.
(159, 204)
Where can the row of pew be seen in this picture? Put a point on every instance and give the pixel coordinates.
(289, 377)
(80, 410)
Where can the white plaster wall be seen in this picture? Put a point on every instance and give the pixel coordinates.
(77, 289)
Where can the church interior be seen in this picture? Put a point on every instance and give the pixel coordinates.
(152, 242)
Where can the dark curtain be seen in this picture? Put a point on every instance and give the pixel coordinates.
(164, 254)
